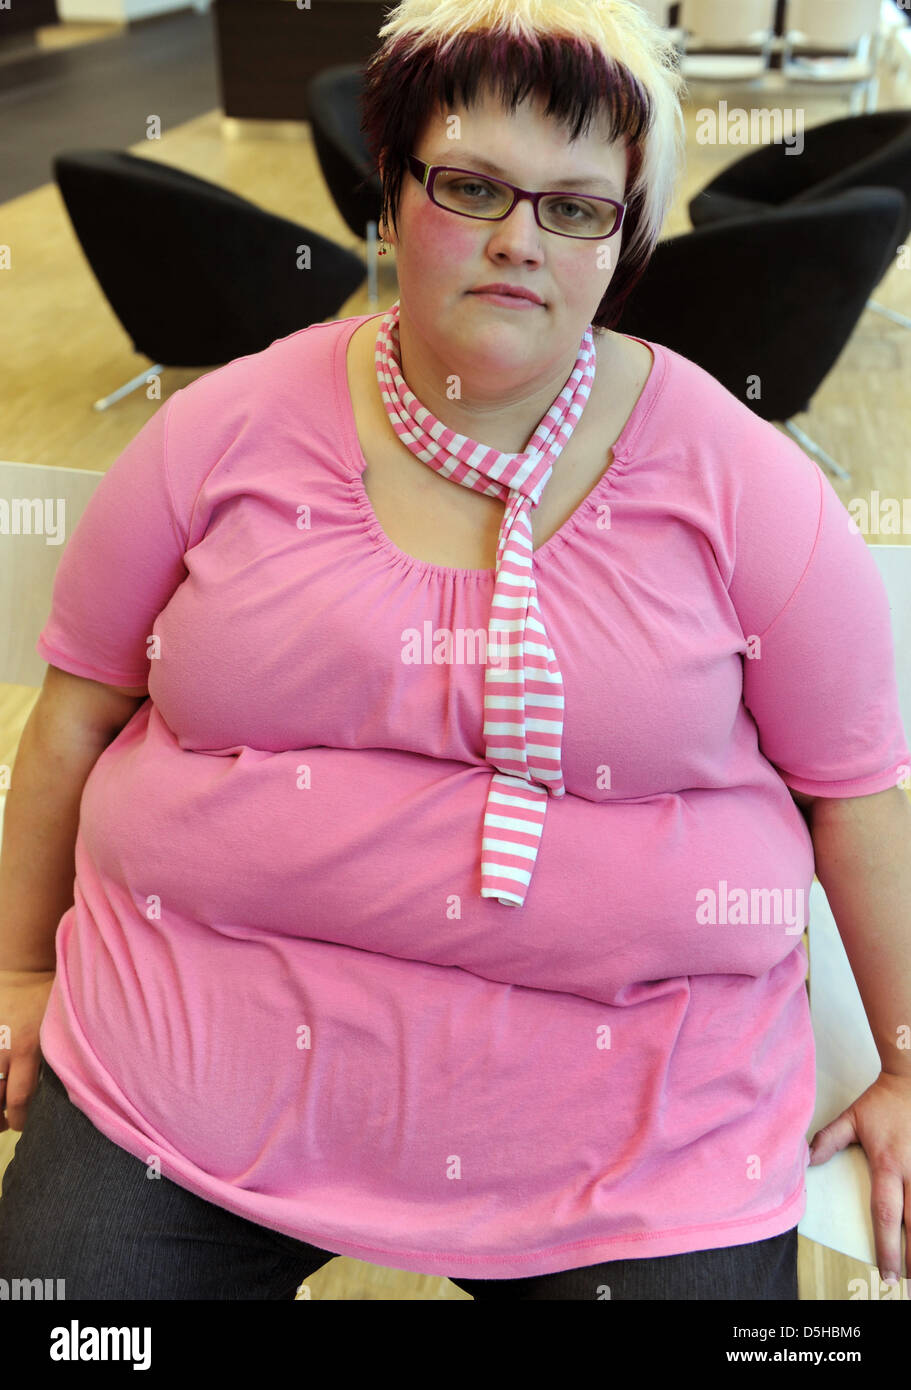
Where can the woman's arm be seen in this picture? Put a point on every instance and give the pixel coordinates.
(863, 861)
(71, 724)
(862, 847)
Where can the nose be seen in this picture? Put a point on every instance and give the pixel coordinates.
(519, 231)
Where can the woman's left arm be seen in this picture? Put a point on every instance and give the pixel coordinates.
(862, 848)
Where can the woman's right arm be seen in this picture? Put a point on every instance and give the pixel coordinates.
(73, 721)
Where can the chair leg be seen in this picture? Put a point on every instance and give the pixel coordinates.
(815, 451)
(122, 391)
(892, 314)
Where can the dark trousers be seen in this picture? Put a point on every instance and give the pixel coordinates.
(77, 1207)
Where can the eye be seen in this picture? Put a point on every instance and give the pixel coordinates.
(585, 209)
(461, 185)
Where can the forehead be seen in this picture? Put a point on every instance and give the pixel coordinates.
(524, 143)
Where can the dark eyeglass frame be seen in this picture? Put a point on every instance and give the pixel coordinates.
(426, 176)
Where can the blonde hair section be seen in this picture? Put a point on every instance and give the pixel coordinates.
(621, 30)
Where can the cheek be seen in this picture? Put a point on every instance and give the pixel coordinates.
(583, 270)
(445, 240)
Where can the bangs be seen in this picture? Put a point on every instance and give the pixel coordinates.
(578, 84)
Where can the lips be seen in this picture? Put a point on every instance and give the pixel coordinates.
(512, 290)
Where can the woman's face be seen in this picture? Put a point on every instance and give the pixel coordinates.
(441, 257)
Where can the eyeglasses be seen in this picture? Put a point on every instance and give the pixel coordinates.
(478, 195)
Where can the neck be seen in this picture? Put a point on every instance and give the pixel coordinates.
(475, 394)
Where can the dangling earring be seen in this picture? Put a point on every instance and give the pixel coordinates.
(382, 250)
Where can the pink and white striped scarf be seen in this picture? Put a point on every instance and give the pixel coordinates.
(523, 687)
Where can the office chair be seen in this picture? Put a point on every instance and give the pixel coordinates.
(333, 97)
(196, 274)
(710, 29)
(767, 303)
(870, 150)
(853, 27)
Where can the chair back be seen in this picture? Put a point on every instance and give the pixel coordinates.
(726, 21)
(196, 274)
(871, 150)
(766, 303)
(334, 102)
(833, 24)
(885, 163)
(658, 9)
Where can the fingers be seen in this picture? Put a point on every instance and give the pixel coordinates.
(887, 1204)
(18, 1088)
(833, 1137)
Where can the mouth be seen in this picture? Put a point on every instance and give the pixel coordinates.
(508, 298)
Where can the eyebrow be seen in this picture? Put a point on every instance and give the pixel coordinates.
(477, 161)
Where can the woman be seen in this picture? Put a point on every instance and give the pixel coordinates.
(408, 915)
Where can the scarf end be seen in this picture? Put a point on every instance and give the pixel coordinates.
(503, 896)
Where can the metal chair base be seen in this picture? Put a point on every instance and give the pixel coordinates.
(889, 313)
(122, 391)
(812, 448)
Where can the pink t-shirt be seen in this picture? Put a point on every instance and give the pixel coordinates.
(278, 974)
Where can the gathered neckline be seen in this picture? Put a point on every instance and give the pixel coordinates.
(620, 463)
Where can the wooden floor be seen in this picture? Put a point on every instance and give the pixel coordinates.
(69, 349)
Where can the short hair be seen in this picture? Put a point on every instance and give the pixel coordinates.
(588, 58)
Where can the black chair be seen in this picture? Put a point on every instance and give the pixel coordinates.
(866, 151)
(196, 274)
(334, 102)
(768, 303)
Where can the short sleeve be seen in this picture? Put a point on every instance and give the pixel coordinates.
(823, 688)
(119, 567)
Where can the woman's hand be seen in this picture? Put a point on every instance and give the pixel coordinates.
(880, 1121)
(23, 1003)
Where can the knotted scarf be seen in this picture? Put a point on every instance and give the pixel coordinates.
(523, 687)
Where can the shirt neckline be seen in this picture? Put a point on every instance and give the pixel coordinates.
(619, 465)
